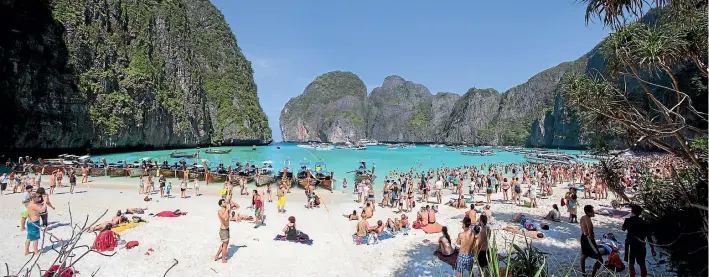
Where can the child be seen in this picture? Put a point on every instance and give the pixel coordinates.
(344, 186)
(169, 188)
(183, 188)
(572, 209)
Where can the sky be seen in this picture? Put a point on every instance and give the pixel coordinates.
(446, 45)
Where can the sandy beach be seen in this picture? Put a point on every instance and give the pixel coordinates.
(193, 239)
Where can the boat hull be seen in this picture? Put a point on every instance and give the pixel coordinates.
(360, 178)
(303, 183)
(137, 172)
(117, 172)
(97, 172)
(263, 180)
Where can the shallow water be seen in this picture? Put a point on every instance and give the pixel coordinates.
(340, 161)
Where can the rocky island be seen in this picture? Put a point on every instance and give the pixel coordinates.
(123, 74)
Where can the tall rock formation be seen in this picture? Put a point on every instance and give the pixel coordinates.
(332, 108)
(123, 73)
(470, 116)
(401, 110)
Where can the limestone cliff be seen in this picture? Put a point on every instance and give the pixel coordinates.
(332, 108)
(123, 73)
(471, 114)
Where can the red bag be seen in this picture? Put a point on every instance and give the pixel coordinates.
(563, 203)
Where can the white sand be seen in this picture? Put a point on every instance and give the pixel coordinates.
(193, 239)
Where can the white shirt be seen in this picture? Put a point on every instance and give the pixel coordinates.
(439, 184)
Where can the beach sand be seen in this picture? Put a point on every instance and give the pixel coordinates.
(193, 239)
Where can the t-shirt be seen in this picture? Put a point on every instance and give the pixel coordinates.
(25, 198)
(637, 230)
(3, 179)
(439, 184)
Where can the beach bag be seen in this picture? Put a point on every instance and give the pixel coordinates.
(563, 203)
(302, 236)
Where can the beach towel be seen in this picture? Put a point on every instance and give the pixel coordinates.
(432, 228)
(451, 260)
(169, 214)
(612, 213)
(125, 226)
(529, 234)
(301, 241)
(105, 241)
(66, 272)
(365, 240)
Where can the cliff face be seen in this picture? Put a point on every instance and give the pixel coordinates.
(332, 108)
(123, 73)
(471, 114)
(401, 110)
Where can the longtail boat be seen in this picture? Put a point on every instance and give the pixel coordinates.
(265, 174)
(363, 173)
(324, 178)
(217, 151)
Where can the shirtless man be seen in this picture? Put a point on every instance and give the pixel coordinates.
(223, 214)
(466, 241)
(481, 246)
(431, 215)
(114, 221)
(422, 217)
(368, 211)
(589, 249)
(33, 233)
(84, 174)
(472, 214)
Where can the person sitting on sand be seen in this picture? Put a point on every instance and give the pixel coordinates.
(352, 216)
(554, 214)
(488, 213)
(368, 211)
(445, 246)
(377, 229)
(422, 217)
(431, 215)
(472, 214)
(457, 203)
(289, 230)
(362, 227)
(394, 225)
(404, 221)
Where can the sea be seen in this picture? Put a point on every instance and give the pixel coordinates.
(340, 161)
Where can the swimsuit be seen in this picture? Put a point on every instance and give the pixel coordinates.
(33, 230)
(464, 263)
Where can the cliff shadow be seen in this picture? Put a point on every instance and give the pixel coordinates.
(33, 72)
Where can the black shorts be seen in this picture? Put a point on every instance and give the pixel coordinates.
(482, 259)
(162, 185)
(590, 249)
(3, 186)
(181, 189)
(635, 254)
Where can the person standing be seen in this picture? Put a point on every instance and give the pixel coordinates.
(84, 175)
(589, 249)
(466, 241)
(481, 246)
(258, 209)
(3, 183)
(162, 182)
(280, 199)
(72, 182)
(635, 250)
(34, 208)
(223, 214)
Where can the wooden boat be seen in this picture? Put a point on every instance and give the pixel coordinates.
(305, 179)
(177, 155)
(265, 174)
(362, 173)
(117, 172)
(137, 172)
(325, 178)
(217, 151)
(97, 172)
(168, 172)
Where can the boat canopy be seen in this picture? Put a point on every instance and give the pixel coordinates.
(268, 162)
(320, 163)
(304, 163)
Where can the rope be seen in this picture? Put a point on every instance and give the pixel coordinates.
(329, 218)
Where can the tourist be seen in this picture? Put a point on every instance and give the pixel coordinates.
(438, 186)
(44, 199)
(72, 181)
(362, 227)
(489, 190)
(196, 187)
(289, 230)
(34, 208)
(466, 242)
(635, 241)
(183, 189)
(26, 199)
(589, 249)
(352, 216)
(281, 199)
(60, 176)
(481, 246)
(572, 206)
(268, 192)
(368, 211)
(141, 185)
(587, 186)
(431, 215)
(488, 213)
(52, 181)
(445, 246)
(371, 199)
(505, 187)
(84, 174)
(223, 214)
(533, 194)
(472, 214)
(168, 189)
(385, 194)
(3, 183)
(162, 180)
(517, 190)
(554, 214)
(258, 209)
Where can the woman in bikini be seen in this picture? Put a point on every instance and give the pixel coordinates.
(445, 246)
(505, 188)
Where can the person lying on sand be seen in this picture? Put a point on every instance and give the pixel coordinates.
(118, 219)
(239, 217)
(394, 225)
(135, 210)
(352, 216)
(459, 203)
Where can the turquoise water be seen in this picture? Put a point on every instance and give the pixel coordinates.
(340, 161)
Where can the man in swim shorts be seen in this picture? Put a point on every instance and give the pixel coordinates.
(223, 214)
(33, 211)
(589, 249)
(466, 240)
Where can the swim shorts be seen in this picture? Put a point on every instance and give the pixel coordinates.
(33, 230)
(224, 234)
(464, 263)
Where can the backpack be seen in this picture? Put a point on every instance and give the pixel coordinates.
(258, 203)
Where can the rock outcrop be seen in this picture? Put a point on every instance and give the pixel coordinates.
(332, 108)
(470, 116)
(123, 74)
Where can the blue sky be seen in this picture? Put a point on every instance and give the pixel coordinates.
(445, 45)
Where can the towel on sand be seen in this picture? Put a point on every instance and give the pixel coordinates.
(451, 260)
(612, 213)
(125, 226)
(365, 240)
(169, 214)
(432, 228)
(283, 238)
(66, 272)
(529, 234)
(105, 241)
